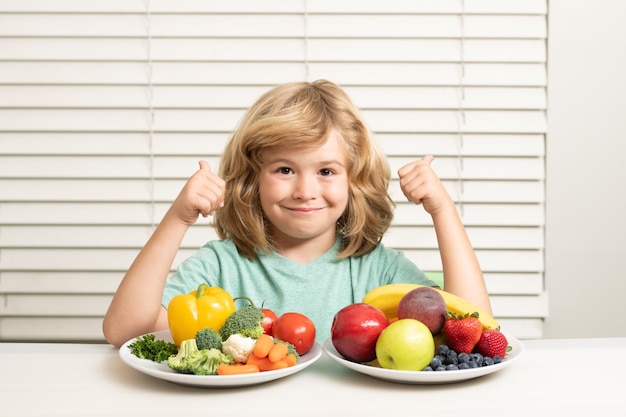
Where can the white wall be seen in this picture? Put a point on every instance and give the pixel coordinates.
(586, 173)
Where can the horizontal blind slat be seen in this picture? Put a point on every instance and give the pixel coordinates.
(124, 236)
(131, 190)
(241, 97)
(267, 74)
(112, 143)
(130, 213)
(139, 6)
(223, 120)
(52, 282)
(182, 167)
(93, 305)
(89, 329)
(274, 6)
(490, 260)
(51, 328)
(96, 282)
(71, 259)
(208, 143)
(497, 144)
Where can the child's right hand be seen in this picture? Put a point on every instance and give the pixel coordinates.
(421, 185)
(202, 194)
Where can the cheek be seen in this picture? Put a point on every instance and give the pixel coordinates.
(339, 194)
(270, 191)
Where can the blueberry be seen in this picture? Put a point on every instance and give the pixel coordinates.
(463, 365)
(452, 358)
(452, 367)
(472, 364)
(478, 358)
(487, 361)
(427, 369)
(463, 357)
(497, 359)
(436, 362)
(440, 368)
(443, 350)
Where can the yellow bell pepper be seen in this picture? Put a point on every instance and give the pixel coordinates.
(204, 307)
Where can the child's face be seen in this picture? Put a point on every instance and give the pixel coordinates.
(304, 191)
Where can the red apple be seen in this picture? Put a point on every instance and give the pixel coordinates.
(355, 330)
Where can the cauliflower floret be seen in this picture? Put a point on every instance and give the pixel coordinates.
(239, 347)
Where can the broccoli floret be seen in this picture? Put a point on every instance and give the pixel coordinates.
(179, 362)
(208, 338)
(206, 361)
(191, 360)
(246, 321)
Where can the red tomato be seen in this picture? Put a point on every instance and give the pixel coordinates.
(297, 329)
(268, 320)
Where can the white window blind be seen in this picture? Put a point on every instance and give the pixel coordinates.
(106, 107)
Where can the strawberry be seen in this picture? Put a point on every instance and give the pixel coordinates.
(491, 343)
(462, 332)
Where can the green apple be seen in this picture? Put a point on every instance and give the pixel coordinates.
(406, 344)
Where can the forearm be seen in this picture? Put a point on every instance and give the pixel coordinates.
(136, 305)
(462, 272)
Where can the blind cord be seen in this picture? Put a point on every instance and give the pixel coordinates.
(461, 112)
(307, 74)
(151, 115)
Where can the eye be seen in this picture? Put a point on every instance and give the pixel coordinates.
(326, 172)
(284, 170)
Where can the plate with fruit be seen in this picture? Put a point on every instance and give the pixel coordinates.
(419, 335)
(374, 369)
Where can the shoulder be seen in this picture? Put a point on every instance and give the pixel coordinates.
(223, 247)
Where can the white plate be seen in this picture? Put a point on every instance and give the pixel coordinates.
(162, 371)
(414, 377)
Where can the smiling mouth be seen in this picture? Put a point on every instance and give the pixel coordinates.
(304, 210)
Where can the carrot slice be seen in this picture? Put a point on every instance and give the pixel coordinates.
(237, 369)
(291, 359)
(265, 364)
(278, 352)
(263, 345)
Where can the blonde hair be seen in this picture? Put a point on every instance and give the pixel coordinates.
(302, 114)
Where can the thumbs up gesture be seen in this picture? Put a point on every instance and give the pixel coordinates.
(202, 194)
(421, 185)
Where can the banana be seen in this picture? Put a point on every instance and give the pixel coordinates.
(387, 297)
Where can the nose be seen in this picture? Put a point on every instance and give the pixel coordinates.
(304, 188)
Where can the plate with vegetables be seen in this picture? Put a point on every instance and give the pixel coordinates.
(149, 354)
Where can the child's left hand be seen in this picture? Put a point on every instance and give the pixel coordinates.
(421, 185)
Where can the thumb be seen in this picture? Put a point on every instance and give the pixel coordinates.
(428, 158)
(204, 165)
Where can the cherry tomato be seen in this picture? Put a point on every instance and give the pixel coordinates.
(297, 329)
(268, 320)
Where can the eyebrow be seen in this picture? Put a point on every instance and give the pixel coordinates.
(291, 161)
(332, 162)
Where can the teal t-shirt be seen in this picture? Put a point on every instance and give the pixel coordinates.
(318, 289)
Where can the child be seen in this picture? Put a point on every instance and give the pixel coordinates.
(300, 205)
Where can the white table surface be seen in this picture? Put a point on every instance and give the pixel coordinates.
(560, 377)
